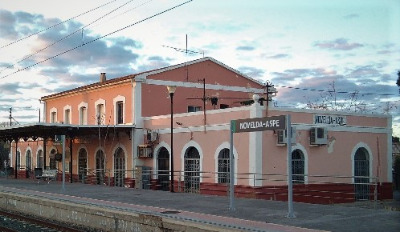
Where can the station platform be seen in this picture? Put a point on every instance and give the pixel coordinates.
(249, 214)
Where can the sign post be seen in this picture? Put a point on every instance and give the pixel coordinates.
(289, 167)
(251, 125)
(63, 161)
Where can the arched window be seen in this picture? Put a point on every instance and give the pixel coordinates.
(40, 159)
(100, 167)
(82, 164)
(53, 163)
(361, 174)
(119, 167)
(28, 160)
(223, 166)
(298, 166)
(192, 170)
(18, 160)
(163, 169)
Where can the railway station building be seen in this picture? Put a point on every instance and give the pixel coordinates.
(118, 133)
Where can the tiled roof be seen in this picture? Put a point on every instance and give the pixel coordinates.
(150, 72)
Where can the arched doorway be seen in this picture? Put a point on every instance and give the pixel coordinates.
(223, 166)
(100, 167)
(192, 170)
(163, 169)
(298, 166)
(119, 167)
(82, 164)
(361, 174)
(28, 162)
(53, 162)
(40, 159)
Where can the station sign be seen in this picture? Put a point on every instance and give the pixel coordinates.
(259, 124)
(330, 119)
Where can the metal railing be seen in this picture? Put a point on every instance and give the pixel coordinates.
(308, 188)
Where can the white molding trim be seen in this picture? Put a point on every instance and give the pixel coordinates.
(194, 144)
(125, 157)
(53, 110)
(370, 158)
(235, 156)
(67, 107)
(201, 86)
(83, 104)
(155, 157)
(119, 98)
(300, 147)
(97, 102)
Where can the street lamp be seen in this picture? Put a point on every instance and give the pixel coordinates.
(171, 91)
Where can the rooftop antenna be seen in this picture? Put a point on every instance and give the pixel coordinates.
(186, 51)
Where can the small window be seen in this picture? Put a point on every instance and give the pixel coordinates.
(194, 109)
(53, 118)
(223, 106)
(67, 116)
(223, 166)
(120, 112)
(83, 115)
(100, 114)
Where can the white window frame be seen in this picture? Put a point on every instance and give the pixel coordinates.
(53, 119)
(65, 109)
(117, 99)
(83, 118)
(99, 102)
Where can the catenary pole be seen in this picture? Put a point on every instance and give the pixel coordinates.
(289, 166)
(231, 171)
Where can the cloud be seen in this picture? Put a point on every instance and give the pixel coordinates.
(251, 71)
(297, 74)
(9, 89)
(340, 44)
(245, 48)
(366, 71)
(351, 16)
(279, 56)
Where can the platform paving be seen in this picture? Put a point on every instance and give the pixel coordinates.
(249, 214)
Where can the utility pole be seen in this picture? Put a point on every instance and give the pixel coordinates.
(271, 92)
(10, 116)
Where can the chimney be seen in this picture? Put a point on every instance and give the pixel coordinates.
(102, 77)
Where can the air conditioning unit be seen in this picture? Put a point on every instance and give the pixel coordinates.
(151, 136)
(282, 136)
(318, 136)
(145, 151)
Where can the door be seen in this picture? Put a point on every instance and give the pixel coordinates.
(82, 165)
(163, 169)
(361, 174)
(100, 167)
(192, 170)
(119, 167)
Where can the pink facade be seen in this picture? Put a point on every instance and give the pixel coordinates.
(332, 151)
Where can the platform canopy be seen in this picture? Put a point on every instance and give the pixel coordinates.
(46, 130)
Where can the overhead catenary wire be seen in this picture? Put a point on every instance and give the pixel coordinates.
(57, 24)
(98, 38)
(65, 37)
(331, 91)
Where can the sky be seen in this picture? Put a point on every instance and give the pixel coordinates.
(341, 54)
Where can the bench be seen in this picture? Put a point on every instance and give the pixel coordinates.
(47, 175)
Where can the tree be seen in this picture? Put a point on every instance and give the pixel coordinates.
(329, 101)
(398, 80)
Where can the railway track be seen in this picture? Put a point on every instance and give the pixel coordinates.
(13, 222)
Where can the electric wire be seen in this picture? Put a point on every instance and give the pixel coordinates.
(48, 28)
(98, 38)
(331, 91)
(65, 37)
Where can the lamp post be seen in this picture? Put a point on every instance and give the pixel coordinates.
(171, 91)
